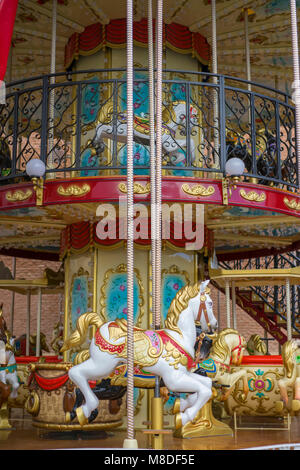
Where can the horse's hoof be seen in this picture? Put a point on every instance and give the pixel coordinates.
(81, 416)
(93, 415)
(176, 407)
(278, 406)
(295, 405)
(178, 421)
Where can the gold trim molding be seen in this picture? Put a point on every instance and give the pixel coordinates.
(199, 190)
(138, 188)
(18, 195)
(292, 204)
(253, 196)
(74, 190)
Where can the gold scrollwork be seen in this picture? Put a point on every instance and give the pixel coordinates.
(172, 353)
(18, 195)
(74, 190)
(292, 204)
(253, 196)
(199, 190)
(138, 188)
(32, 404)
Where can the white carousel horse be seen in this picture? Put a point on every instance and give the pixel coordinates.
(291, 367)
(174, 118)
(167, 353)
(8, 367)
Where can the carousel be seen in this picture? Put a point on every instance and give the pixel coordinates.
(152, 151)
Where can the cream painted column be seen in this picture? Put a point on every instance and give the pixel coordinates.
(228, 310)
(288, 310)
(66, 316)
(28, 321)
(233, 302)
(38, 323)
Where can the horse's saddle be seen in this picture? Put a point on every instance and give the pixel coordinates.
(148, 345)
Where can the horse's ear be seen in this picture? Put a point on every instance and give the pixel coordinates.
(203, 285)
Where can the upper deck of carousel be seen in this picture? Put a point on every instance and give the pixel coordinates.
(74, 120)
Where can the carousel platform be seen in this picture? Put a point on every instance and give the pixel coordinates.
(26, 437)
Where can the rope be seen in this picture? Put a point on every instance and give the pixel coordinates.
(52, 81)
(215, 80)
(296, 95)
(130, 226)
(152, 152)
(247, 47)
(158, 223)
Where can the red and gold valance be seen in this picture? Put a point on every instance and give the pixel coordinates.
(79, 237)
(97, 36)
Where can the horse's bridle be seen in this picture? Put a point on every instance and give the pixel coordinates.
(202, 308)
(240, 348)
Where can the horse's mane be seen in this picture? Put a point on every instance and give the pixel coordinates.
(258, 344)
(220, 347)
(288, 350)
(180, 303)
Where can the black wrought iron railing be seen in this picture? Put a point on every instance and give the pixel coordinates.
(76, 124)
(274, 297)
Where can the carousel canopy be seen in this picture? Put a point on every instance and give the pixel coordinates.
(269, 33)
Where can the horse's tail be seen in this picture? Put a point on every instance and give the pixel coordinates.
(82, 325)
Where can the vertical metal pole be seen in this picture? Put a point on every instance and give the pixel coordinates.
(28, 321)
(296, 95)
(288, 310)
(13, 295)
(38, 323)
(130, 442)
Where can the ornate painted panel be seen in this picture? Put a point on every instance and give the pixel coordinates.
(80, 300)
(113, 297)
(173, 279)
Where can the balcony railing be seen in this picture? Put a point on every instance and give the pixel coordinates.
(274, 297)
(76, 124)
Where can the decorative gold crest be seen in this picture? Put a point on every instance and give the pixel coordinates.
(18, 195)
(198, 191)
(74, 190)
(292, 204)
(138, 188)
(253, 196)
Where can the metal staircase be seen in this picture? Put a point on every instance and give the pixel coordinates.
(267, 304)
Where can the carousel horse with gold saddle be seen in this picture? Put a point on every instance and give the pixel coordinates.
(9, 382)
(167, 353)
(227, 349)
(174, 119)
(291, 365)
